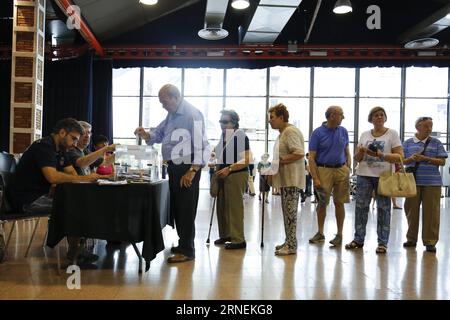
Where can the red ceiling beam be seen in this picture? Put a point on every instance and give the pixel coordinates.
(272, 52)
(84, 30)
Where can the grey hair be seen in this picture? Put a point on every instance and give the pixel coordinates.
(170, 90)
(234, 117)
(330, 110)
(85, 125)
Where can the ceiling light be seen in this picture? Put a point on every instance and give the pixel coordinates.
(213, 33)
(240, 4)
(148, 2)
(422, 43)
(342, 6)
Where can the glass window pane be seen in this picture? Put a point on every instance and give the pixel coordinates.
(434, 108)
(153, 113)
(155, 78)
(426, 82)
(380, 82)
(252, 114)
(203, 82)
(245, 82)
(286, 81)
(391, 106)
(298, 114)
(347, 104)
(124, 141)
(126, 82)
(339, 82)
(210, 108)
(125, 116)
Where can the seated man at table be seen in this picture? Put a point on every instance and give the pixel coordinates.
(82, 159)
(43, 165)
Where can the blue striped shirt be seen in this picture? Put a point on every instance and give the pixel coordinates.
(427, 174)
(182, 135)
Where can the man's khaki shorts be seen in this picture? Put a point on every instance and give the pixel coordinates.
(335, 181)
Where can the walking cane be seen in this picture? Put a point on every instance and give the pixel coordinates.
(210, 222)
(262, 219)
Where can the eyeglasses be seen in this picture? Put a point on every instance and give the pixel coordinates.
(224, 121)
(74, 139)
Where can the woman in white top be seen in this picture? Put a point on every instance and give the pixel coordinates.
(377, 150)
(288, 169)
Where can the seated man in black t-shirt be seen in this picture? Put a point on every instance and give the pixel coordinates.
(44, 164)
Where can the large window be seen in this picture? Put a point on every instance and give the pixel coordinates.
(426, 95)
(125, 104)
(380, 87)
(252, 92)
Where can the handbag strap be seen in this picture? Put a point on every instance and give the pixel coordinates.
(423, 151)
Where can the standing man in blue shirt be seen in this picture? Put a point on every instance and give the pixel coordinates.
(184, 146)
(329, 164)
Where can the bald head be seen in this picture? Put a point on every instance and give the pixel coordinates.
(332, 110)
(334, 115)
(170, 97)
(170, 90)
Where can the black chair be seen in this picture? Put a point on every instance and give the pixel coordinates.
(7, 214)
(7, 162)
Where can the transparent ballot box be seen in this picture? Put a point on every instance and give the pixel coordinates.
(137, 163)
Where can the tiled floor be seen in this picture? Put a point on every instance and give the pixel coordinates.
(316, 272)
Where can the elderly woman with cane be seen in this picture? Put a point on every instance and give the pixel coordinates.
(233, 157)
(288, 173)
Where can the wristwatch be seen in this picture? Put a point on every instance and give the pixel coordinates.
(193, 169)
(229, 168)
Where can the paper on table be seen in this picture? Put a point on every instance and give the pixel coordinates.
(108, 182)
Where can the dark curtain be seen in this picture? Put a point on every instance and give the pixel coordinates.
(67, 90)
(102, 115)
(5, 103)
(79, 88)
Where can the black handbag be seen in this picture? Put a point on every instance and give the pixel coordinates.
(412, 169)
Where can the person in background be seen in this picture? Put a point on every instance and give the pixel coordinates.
(424, 162)
(82, 159)
(329, 164)
(184, 158)
(264, 187)
(212, 165)
(104, 168)
(251, 179)
(234, 156)
(288, 173)
(376, 152)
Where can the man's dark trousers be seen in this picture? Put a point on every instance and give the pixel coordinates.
(183, 206)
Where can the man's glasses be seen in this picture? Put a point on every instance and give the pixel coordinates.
(224, 121)
(74, 139)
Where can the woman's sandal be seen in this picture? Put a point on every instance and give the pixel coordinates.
(354, 245)
(381, 249)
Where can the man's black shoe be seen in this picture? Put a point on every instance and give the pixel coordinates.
(175, 250)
